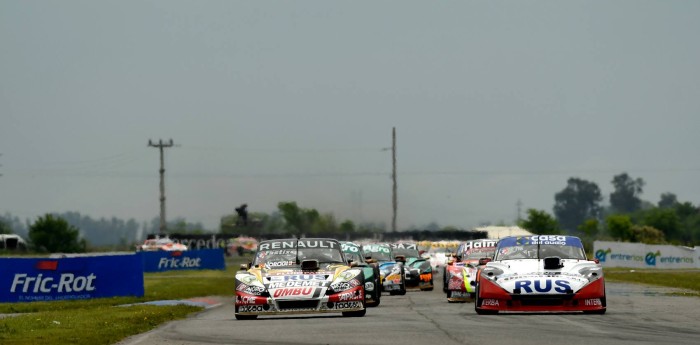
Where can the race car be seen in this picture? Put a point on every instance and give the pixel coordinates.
(373, 291)
(541, 273)
(391, 269)
(461, 272)
(439, 253)
(418, 271)
(163, 243)
(299, 276)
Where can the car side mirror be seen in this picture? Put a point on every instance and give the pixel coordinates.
(400, 258)
(244, 267)
(484, 261)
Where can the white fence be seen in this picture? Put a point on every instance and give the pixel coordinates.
(639, 255)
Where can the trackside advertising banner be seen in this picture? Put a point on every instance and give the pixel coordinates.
(203, 259)
(639, 255)
(36, 279)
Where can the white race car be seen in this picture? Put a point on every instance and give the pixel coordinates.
(163, 243)
(540, 273)
(438, 256)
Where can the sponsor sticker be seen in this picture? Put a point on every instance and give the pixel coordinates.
(250, 308)
(298, 244)
(396, 278)
(278, 285)
(66, 282)
(593, 302)
(479, 244)
(245, 299)
(274, 264)
(349, 248)
(306, 291)
(348, 305)
(490, 302)
(455, 285)
(409, 246)
(186, 262)
(542, 286)
(296, 277)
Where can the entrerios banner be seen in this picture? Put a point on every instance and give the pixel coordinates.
(640, 255)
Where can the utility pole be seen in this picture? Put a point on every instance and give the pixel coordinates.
(393, 177)
(519, 205)
(0, 164)
(161, 145)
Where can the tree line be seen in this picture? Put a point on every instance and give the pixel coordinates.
(579, 210)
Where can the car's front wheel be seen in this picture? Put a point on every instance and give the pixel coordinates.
(477, 306)
(377, 297)
(359, 313)
(246, 317)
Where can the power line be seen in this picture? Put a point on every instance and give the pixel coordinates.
(223, 174)
(285, 150)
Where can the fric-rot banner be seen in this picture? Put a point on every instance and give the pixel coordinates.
(52, 279)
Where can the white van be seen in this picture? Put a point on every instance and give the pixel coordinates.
(12, 241)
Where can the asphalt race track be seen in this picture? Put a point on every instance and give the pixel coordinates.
(636, 315)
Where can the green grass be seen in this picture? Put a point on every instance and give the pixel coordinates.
(682, 279)
(102, 321)
(92, 325)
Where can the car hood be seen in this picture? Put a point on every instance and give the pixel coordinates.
(528, 276)
(293, 283)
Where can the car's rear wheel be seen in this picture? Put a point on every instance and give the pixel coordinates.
(444, 280)
(402, 290)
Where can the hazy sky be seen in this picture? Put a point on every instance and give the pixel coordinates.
(269, 101)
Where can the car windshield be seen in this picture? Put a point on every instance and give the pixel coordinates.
(378, 252)
(352, 252)
(539, 247)
(354, 256)
(406, 253)
(286, 253)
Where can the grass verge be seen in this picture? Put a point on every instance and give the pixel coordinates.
(682, 279)
(103, 321)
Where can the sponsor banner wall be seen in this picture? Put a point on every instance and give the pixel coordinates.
(203, 259)
(52, 279)
(639, 255)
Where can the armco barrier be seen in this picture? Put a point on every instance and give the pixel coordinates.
(639, 255)
(203, 259)
(51, 279)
